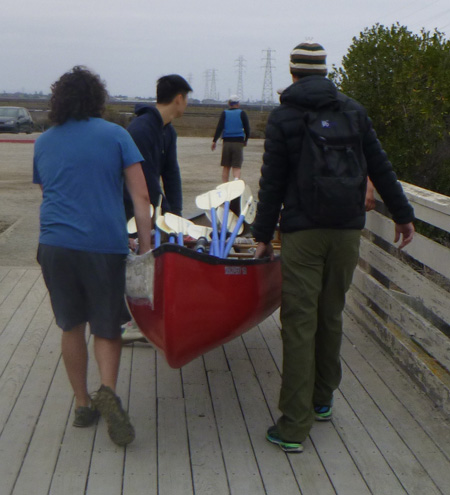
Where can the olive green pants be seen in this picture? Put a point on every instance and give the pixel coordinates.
(317, 267)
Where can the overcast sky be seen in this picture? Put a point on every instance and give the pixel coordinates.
(132, 43)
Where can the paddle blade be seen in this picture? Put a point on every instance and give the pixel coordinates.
(211, 199)
(162, 225)
(177, 224)
(251, 210)
(232, 189)
(232, 220)
(197, 231)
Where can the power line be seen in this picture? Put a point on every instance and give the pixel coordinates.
(240, 84)
(267, 94)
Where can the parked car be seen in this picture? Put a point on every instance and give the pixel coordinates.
(15, 119)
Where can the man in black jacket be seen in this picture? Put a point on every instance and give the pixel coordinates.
(156, 139)
(318, 260)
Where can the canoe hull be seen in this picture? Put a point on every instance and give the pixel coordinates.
(201, 302)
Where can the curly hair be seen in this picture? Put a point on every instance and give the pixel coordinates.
(77, 94)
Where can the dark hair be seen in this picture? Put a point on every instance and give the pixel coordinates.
(78, 94)
(168, 87)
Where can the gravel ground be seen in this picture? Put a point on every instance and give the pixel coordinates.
(20, 199)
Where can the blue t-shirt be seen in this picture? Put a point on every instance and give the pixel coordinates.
(80, 165)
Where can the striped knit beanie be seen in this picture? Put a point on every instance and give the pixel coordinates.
(308, 59)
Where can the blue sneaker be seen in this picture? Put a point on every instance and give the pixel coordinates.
(290, 447)
(323, 413)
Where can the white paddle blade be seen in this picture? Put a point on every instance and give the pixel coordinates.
(162, 225)
(177, 224)
(211, 199)
(131, 225)
(232, 189)
(251, 212)
(197, 231)
(232, 220)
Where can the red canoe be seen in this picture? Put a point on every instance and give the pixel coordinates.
(201, 302)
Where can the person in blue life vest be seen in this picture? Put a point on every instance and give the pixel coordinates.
(234, 128)
(320, 252)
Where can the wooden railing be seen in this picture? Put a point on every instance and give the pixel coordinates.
(403, 298)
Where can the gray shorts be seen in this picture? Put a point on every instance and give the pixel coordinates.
(232, 154)
(85, 287)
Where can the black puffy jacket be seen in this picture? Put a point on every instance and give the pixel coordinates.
(282, 149)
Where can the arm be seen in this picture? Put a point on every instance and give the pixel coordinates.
(273, 181)
(385, 181)
(219, 130)
(246, 126)
(405, 233)
(370, 197)
(135, 182)
(170, 174)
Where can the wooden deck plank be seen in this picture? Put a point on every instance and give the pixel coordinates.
(215, 360)
(418, 404)
(406, 427)
(402, 461)
(275, 470)
(22, 359)
(372, 465)
(341, 469)
(18, 430)
(168, 379)
(242, 469)
(9, 277)
(307, 466)
(200, 430)
(141, 469)
(174, 470)
(19, 293)
(72, 468)
(107, 464)
(208, 469)
(45, 443)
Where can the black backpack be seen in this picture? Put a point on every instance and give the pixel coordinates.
(332, 173)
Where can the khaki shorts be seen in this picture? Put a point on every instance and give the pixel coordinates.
(232, 154)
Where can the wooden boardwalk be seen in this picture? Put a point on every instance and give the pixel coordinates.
(200, 430)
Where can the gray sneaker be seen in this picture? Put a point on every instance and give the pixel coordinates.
(107, 403)
(85, 416)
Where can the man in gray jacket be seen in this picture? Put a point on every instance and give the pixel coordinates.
(318, 258)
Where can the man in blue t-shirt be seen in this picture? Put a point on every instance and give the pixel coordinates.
(81, 165)
(234, 127)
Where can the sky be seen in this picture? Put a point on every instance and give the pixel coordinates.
(131, 44)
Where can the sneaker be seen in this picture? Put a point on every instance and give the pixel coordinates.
(323, 413)
(85, 416)
(131, 333)
(290, 447)
(107, 403)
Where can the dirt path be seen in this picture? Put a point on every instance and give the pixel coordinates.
(20, 199)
